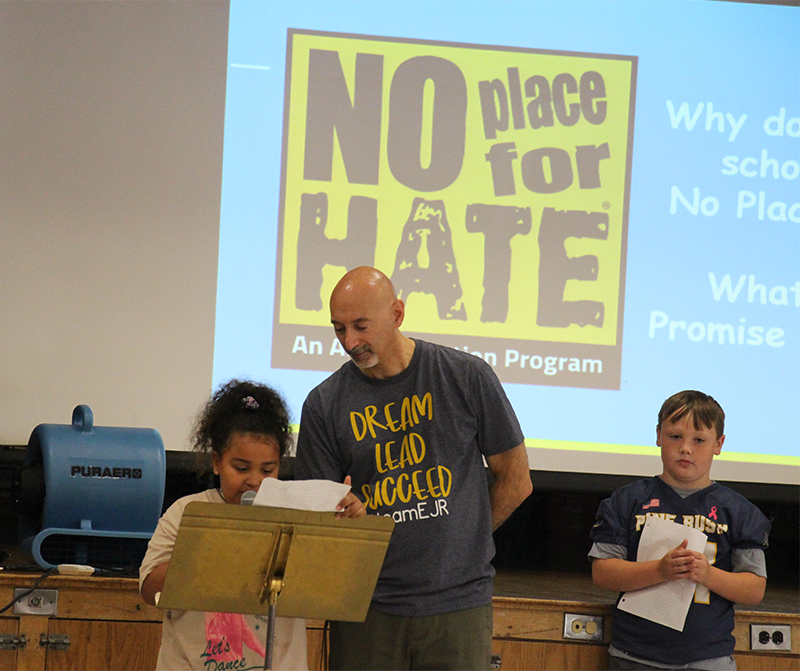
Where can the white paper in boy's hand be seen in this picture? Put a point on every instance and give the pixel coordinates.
(318, 495)
(668, 602)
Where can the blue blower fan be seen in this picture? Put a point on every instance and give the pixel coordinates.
(90, 495)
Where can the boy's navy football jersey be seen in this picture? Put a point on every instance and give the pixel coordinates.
(729, 521)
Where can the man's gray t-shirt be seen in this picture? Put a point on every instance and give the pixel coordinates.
(413, 445)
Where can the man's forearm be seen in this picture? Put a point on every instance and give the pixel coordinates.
(511, 483)
(505, 498)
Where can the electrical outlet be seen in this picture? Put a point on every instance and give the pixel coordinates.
(583, 627)
(771, 637)
(37, 602)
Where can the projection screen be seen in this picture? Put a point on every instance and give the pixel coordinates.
(600, 199)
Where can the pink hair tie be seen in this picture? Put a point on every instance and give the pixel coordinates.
(250, 403)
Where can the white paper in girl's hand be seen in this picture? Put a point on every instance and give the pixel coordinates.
(317, 495)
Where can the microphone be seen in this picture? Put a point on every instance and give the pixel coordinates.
(247, 499)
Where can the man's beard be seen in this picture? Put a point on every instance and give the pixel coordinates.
(363, 356)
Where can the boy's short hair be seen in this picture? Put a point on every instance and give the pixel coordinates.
(705, 411)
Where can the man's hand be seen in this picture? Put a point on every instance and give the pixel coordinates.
(350, 505)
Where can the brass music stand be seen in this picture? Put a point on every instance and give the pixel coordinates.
(320, 567)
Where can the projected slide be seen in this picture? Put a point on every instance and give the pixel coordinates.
(491, 140)
(600, 199)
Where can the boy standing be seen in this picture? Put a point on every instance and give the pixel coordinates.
(731, 570)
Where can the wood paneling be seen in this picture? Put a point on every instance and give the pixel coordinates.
(111, 628)
(528, 655)
(105, 645)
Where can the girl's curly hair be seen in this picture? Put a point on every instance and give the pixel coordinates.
(241, 406)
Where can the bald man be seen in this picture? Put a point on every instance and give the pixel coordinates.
(412, 422)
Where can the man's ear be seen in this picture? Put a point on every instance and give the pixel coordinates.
(720, 440)
(399, 312)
